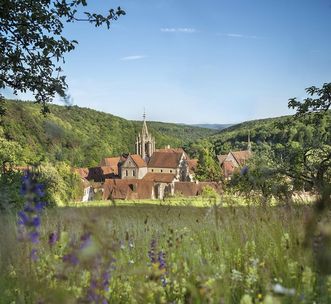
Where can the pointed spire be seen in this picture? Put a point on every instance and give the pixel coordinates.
(249, 144)
(144, 132)
(144, 115)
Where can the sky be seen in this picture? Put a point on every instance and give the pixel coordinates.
(210, 61)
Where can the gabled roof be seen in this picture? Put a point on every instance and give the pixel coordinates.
(82, 172)
(110, 161)
(160, 177)
(221, 158)
(228, 168)
(165, 159)
(241, 156)
(138, 161)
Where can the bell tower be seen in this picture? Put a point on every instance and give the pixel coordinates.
(145, 143)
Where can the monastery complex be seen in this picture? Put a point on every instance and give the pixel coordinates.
(152, 173)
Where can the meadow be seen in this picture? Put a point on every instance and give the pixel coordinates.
(162, 254)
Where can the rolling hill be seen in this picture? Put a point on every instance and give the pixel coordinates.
(83, 136)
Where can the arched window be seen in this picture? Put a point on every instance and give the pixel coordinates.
(134, 173)
(126, 173)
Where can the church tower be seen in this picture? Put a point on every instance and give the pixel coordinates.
(249, 144)
(145, 143)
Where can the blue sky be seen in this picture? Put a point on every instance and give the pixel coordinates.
(211, 61)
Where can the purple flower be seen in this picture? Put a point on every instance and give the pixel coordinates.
(105, 280)
(71, 259)
(35, 221)
(244, 170)
(161, 260)
(152, 251)
(39, 190)
(34, 237)
(39, 206)
(52, 238)
(86, 240)
(28, 219)
(23, 219)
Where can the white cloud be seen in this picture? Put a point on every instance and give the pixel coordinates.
(133, 57)
(187, 30)
(234, 35)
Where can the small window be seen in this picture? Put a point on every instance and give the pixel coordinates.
(161, 170)
(134, 173)
(126, 173)
(152, 170)
(170, 171)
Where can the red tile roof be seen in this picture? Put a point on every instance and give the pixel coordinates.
(242, 156)
(82, 172)
(159, 177)
(110, 161)
(228, 168)
(97, 174)
(127, 189)
(138, 161)
(170, 150)
(165, 159)
(221, 158)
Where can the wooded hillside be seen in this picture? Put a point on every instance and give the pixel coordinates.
(82, 136)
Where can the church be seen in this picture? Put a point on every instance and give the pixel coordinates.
(149, 173)
(152, 173)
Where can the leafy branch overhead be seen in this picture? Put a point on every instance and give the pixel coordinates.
(32, 47)
(319, 102)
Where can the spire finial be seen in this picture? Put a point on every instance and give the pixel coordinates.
(144, 114)
(249, 145)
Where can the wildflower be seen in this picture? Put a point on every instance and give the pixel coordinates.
(279, 289)
(71, 259)
(152, 251)
(244, 171)
(100, 281)
(122, 246)
(29, 218)
(131, 244)
(52, 239)
(85, 240)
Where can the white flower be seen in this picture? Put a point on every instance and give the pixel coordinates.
(279, 289)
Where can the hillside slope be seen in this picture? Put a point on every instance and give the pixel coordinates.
(83, 136)
(270, 132)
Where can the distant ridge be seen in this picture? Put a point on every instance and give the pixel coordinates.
(213, 126)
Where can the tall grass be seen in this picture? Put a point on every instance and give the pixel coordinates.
(210, 255)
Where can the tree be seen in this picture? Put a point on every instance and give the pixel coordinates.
(311, 162)
(208, 168)
(319, 102)
(32, 46)
(261, 178)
